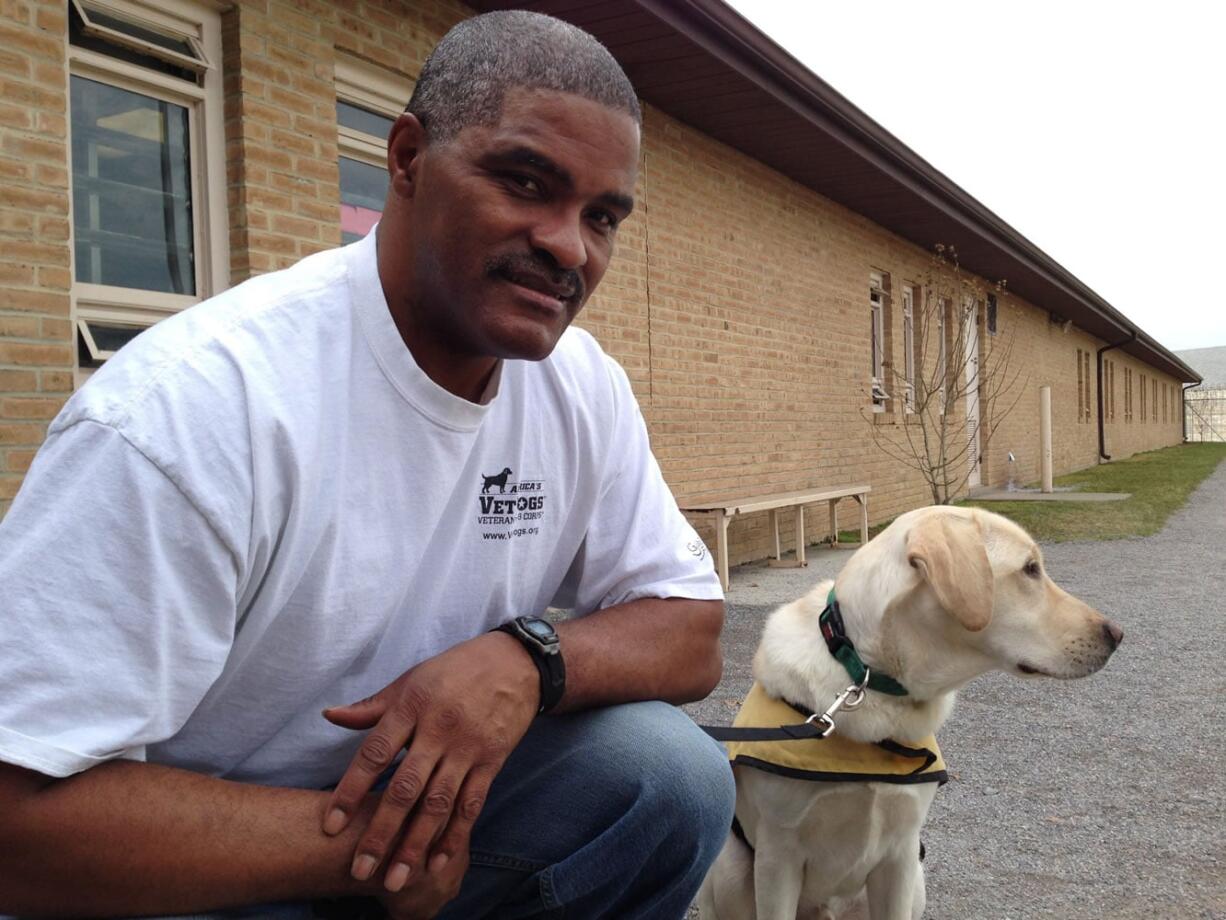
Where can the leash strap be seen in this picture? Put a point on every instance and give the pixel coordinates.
(798, 732)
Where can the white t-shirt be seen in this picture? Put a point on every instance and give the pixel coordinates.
(262, 507)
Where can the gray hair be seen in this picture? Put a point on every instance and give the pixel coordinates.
(469, 72)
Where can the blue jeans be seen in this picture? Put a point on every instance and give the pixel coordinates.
(610, 813)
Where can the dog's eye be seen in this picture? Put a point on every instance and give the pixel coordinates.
(1032, 569)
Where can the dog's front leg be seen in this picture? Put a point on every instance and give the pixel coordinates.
(896, 889)
(778, 879)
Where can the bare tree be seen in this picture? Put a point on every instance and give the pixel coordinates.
(954, 386)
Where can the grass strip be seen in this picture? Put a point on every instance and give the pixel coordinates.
(1160, 481)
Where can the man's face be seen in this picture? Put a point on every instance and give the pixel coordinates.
(511, 227)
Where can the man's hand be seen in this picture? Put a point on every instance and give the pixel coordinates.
(429, 893)
(460, 714)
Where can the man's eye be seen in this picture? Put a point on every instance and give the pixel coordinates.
(604, 220)
(525, 183)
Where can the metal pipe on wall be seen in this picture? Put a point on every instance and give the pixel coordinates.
(1045, 436)
(1102, 433)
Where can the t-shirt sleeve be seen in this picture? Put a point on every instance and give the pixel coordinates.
(119, 605)
(638, 544)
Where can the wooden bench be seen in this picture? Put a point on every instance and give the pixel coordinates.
(723, 512)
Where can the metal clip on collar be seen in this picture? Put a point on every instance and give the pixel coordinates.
(849, 699)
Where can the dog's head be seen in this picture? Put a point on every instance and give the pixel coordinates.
(987, 575)
(961, 591)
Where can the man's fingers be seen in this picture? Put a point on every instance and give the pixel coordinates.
(413, 784)
(375, 754)
(435, 804)
(362, 714)
(453, 842)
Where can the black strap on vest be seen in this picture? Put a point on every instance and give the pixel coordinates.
(799, 732)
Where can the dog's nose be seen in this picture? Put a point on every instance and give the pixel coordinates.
(1114, 634)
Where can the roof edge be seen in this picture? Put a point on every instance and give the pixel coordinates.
(738, 43)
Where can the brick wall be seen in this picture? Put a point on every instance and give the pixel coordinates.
(760, 351)
(280, 133)
(737, 301)
(36, 357)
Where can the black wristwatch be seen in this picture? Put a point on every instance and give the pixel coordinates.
(541, 641)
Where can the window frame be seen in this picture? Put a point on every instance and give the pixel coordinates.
(1080, 389)
(154, 19)
(375, 89)
(877, 299)
(198, 23)
(1089, 386)
(908, 347)
(942, 369)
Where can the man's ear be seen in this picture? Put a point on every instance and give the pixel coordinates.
(405, 145)
(949, 554)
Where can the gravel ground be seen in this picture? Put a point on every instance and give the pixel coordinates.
(1098, 798)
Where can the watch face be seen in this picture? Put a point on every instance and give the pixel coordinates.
(539, 629)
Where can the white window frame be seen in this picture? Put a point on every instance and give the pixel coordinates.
(198, 23)
(876, 300)
(942, 350)
(908, 347)
(382, 91)
(376, 89)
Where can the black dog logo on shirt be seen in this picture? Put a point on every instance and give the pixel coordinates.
(499, 480)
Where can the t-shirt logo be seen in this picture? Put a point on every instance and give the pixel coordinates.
(513, 509)
(498, 479)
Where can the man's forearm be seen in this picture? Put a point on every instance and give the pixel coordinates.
(129, 838)
(642, 650)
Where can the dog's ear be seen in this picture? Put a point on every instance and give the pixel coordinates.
(949, 554)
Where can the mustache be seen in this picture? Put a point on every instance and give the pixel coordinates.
(538, 271)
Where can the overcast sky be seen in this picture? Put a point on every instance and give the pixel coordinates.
(1094, 129)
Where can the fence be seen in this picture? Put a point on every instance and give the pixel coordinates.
(1205, 413)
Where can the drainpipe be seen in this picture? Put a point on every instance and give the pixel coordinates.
(1102, 432)
(1183, 405)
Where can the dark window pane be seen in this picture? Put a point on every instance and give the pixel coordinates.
(364, 120)
(149, 35)
(106, 339)
(131, 188)
(363, 190)
(77, 36)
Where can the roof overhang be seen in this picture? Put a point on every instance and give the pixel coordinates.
(704, 64)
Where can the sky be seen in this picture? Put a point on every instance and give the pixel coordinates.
(1094, 129)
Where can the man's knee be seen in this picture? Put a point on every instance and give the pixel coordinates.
(668, 771)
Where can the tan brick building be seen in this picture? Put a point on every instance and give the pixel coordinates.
(153, 152)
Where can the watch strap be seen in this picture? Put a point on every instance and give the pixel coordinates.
(546, 656)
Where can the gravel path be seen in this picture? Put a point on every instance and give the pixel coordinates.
(1098, 798)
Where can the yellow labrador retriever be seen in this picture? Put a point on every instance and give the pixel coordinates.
(939, 597)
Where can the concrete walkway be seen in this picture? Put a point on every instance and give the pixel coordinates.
(1035, 495)
(1083, 800)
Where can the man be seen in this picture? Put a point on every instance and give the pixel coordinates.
(335, 482)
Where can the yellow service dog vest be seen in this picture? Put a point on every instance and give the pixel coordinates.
(830, 759)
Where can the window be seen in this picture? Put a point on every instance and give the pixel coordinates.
(1109, 379)
(1086, 363)
(878, 298)
(991, 314)
(1080, 388)
(369, 99)
(908, 347)
(942, 368)
(1154, 402)
(1083, 386)
(1127, 394)
(149, 234)
(1142, 389)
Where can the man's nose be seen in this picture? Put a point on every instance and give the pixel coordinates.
(561, 235)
